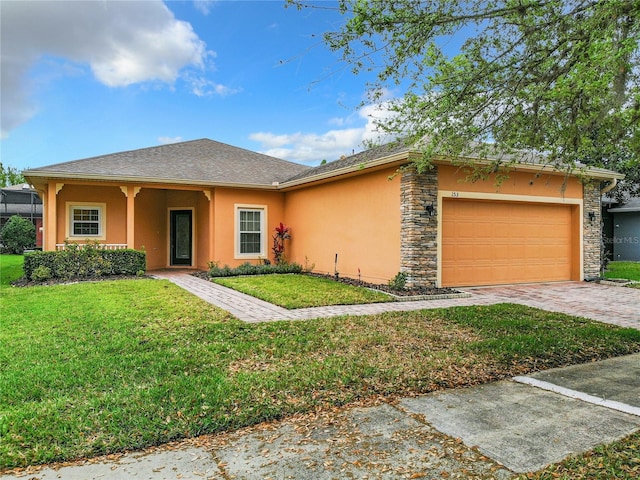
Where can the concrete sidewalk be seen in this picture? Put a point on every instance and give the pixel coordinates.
(490, 431)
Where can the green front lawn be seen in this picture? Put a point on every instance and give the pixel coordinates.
(626, 270)
(102, 367)
(10, 269)
(298, 291)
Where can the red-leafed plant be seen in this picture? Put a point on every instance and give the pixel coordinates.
(282, 233)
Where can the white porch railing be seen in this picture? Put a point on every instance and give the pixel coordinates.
(104, 246)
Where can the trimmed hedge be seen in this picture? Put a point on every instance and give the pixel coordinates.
(90, 262)
(249, 269)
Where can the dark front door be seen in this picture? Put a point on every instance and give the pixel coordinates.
(181, 248)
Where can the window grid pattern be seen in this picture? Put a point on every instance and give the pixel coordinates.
(251, 231)
(86, 221)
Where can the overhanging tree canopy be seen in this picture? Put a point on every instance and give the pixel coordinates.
(560, 78)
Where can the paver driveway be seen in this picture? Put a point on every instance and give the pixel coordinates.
(611, 304)
(606, 303)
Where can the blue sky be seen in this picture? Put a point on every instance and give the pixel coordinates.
(85, 78)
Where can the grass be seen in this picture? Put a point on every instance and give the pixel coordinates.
(299, 291)
(618, 460)
(97, 368)
(626, 270)
(10, 269)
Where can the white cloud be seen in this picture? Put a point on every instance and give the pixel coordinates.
(203, 87)
(312, 148)
(123, 43)
(204, 6)
(338, 121)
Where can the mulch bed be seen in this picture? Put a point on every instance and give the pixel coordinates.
(406, 292)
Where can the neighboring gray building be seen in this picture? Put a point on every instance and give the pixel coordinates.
(24, 201)
(622, 230)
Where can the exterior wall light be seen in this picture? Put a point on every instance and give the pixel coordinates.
(592, 216)
(429, 209)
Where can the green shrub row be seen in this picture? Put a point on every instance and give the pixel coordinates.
(88, 262)
(248, 269)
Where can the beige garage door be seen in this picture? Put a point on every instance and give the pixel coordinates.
(493, 243)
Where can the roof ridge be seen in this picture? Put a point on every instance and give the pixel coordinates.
(197, 160)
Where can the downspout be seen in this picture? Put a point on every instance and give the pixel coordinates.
(610, 186)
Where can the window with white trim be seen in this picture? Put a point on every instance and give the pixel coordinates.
(86, 221)
(250, 238)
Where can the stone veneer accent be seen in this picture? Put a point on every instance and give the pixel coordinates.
(419, 230)
(592, 230)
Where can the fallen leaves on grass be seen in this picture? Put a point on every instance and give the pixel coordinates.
(619, 460)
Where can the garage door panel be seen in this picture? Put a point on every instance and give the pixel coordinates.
(491, 242)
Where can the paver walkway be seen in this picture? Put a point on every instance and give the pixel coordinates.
(610, 304)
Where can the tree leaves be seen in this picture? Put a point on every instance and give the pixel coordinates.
(10, 176)
(561, 78)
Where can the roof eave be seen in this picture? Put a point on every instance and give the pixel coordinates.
(389, 160)
(596, 173)
(624, 209)
(29, 174)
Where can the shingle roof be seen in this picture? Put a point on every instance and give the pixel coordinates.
(201, 161)
(207, 162)
(21, 187)
(361, 158)
(391, 150)
(631, 204)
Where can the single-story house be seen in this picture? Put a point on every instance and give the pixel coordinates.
(193, 202)
(622, 229)
(24, 201)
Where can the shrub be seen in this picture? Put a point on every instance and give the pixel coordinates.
(282, 233)
(86, 261)
(41, 273)
(398, 282)
(248, 269)
(17, 234)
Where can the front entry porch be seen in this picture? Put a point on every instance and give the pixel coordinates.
(172, 224)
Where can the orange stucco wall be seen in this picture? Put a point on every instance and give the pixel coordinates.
(519, 183)
(201, 234)
(151, 226)
(152, 223)
(224, 237)
(116, 210)
(358, 218)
